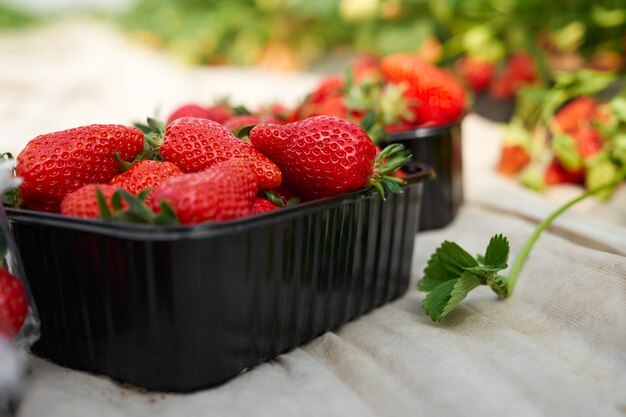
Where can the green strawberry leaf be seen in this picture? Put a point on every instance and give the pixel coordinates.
(143, 127)
(136, 207)
(369, 121)
(274, 199)
(448, 262)
(167, 216)
(446, 297)
(241, 111)
(244, 131)
(105, 212)
(451, 273)
(497, 254)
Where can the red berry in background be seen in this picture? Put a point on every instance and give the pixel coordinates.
(261, 205)
(145, 174)
(197, 144)
(189, 110)
(366, 68)
(237, 122)
(320, 156)
(575, 114)
(55, 164)
(589, 141)
(437, 97)
(556, 174)
(216, 112)
(225, 191)
(331, 106)
(84, 201)
(329, 86)
(519, 72)
(512, 160)
(13, 304)
(219, 113)
(477, 73)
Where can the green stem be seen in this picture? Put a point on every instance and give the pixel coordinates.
(523, 253)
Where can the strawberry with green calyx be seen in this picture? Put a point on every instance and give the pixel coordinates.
(325, 156)
(110, 202)
(144, 175)
(55, 164)
(84, 201)
(13, 304)
(225, 191)
(451, 273)
(437, 97)
(197, 144)
(262, 205)
(279, 200)
(128, 208)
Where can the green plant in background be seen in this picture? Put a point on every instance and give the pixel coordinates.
(299, 32)
(11, 18)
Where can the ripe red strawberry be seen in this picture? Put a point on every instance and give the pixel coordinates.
(197, 144)
(55, 164)
(13, 304)
(589, 141)
(575, 113)
(329, 86)
(320, 156)
(333, 105)
(366, 67)
(145, 174)
(437, 97)
(84, 201)
(513, 159)
(225, 191)
(189, 110)
(262, 205)
(476, 72)
(237, 122)
(519, 72)
(556, 174)
(217, 112)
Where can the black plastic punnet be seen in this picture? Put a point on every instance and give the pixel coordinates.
(440, 148)
(179, 308)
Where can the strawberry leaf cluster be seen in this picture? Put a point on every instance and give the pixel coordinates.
(451, 273)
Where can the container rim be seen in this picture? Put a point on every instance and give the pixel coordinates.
(423, 132)
(170, 232)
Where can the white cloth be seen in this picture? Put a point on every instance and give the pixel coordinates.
(557, 347)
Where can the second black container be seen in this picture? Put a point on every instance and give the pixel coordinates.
(440, 148)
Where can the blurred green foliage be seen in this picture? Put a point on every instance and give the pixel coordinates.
(11, 18)
(242, 31)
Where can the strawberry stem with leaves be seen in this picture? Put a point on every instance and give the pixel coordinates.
(451, 272)
(392, 158)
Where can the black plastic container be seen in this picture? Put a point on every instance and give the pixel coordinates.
(440, 148)
(181, 308)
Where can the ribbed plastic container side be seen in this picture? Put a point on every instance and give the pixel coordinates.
(193, 312)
